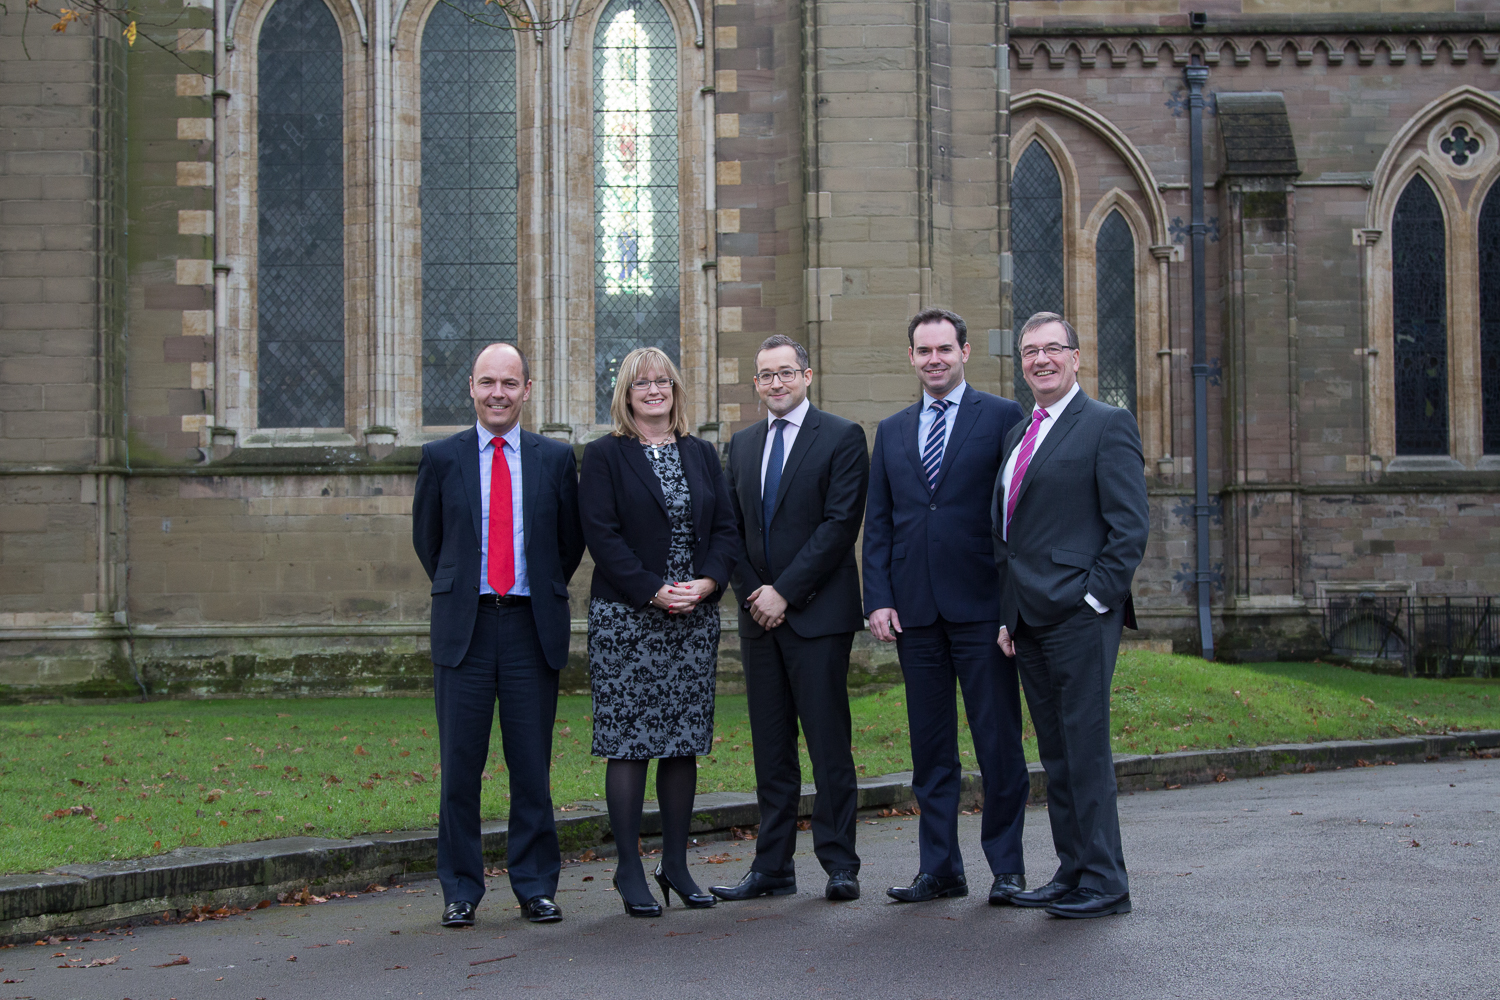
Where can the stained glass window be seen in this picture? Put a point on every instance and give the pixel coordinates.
(1036, 243)
(300, 249)
(1489, 318)
(635, 189)
(1419, 281)
(1114, 268)
(468, 199)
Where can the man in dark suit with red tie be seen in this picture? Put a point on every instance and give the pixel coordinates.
(495, 523)
(932, 588)
(1070, 522)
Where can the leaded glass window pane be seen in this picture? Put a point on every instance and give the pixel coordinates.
(468, 199)
(1489, 318)
(1419, 281)
(635, 189)
(1114, 269)
(300, 248)
(1036, 242)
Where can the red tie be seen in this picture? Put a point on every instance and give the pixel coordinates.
(1023, 459)
(502, 548)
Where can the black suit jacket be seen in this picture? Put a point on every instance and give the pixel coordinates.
(928, 551)
(1081, 519)
(445, 515)
(625, 518)
(813, 527)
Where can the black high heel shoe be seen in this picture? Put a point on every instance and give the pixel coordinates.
(651, 909)
(692, 900)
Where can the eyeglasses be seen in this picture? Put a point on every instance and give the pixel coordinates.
(1053, 351)
(643, 384)
(786, 376)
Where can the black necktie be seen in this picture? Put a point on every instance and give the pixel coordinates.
(772, 484)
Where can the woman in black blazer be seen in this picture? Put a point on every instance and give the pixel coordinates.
(658, 521)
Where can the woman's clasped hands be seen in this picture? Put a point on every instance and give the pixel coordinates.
(682, 597)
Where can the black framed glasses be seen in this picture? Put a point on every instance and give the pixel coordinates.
(643, 384)
(786, 376)
(1053, 351)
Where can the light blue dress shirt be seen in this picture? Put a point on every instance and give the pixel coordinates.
(928, 414)
(512, 459)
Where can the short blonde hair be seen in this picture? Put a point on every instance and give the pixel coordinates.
(637, 365)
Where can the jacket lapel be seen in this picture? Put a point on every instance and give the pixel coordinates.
(750, 470)
(531, 473)
(1065, 423)
(468, 464)
(635, 457)
(963, 423)
(697, 484)
(805, 435)
(909, 430)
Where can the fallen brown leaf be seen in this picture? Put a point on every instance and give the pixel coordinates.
(179, 960)
(345, 941)
(95, 963)
(487, 961)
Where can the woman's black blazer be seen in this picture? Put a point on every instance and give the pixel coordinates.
(625, 519)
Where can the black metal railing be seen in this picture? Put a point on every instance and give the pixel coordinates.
(1423, 636)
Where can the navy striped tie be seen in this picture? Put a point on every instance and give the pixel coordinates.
(932, 451)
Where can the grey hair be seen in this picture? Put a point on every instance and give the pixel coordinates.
(1042, 319)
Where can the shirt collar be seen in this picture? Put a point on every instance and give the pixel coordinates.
(795, 418)
(1060, 405)
(512, 437)
(954, 398)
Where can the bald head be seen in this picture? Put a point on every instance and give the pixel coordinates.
(501, 347)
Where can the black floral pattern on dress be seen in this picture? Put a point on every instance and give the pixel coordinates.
(651, 673)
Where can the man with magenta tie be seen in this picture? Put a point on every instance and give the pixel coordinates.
(932, 588)
(496, 526)
(1070, 521)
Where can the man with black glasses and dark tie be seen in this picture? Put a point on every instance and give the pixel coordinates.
(932, 588)
(797, 482)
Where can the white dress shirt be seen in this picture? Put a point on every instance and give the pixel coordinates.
(928, 415)
(512, 439)
(1009, 472)
(788, 437)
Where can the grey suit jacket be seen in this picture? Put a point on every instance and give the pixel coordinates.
(1081, 519)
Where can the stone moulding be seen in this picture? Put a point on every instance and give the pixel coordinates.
(1240, 50)
(112, 892)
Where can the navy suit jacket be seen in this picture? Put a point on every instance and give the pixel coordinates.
(628, 529)
(1081, 518)
(445, 515)
(928, 551)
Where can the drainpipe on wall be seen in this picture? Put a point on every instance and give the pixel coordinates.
(1196, 76)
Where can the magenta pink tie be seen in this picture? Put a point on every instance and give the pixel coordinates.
(1023, 459)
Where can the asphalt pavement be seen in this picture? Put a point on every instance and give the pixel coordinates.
(1368, 882)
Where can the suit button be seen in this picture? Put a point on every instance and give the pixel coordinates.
(932, 506)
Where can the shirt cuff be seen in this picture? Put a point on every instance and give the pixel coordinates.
(1094, 603)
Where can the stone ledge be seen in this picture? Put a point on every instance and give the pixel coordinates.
(93, 895)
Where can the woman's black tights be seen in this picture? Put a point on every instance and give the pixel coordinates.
(624, 791)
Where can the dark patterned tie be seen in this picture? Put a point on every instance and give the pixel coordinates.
(932, 452)
(772, 484)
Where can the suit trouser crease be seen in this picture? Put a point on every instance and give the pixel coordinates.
(934, 657)
(787, 678)
(1067, 670)
(504, 664)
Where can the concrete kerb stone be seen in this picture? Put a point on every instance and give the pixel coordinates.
(242, 875)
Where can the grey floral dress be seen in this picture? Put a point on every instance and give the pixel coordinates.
(652, 673)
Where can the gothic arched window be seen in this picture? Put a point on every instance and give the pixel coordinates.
(1489, 318)
(300, 231)
(1036, 244)
(469, 187)
(1114, 268)
(635, 189)
(1419, 281)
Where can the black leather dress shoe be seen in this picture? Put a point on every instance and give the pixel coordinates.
(459, 914)
(1084, 902)
(541, 910)
(842, 884)
(1006, 886)
(756, 884)
(1043, 896)
(925, 887)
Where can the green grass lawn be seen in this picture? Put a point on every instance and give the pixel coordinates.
(148, 777)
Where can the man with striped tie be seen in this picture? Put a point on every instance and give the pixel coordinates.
(932, 588)
(1070, 522)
